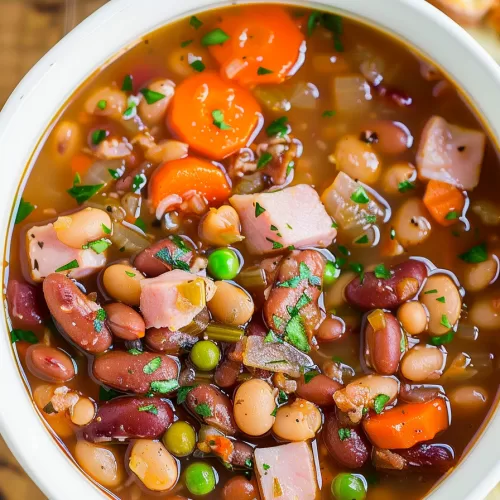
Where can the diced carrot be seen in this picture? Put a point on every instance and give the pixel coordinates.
(264, 45)
(444, 202)
(406, 425)
(221, 446)
(215, 117)
(179, 177)
(80, 164)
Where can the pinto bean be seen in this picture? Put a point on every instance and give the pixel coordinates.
(282, 298)
(331, 329)
(153, 114)
(135, 372)
(116, 102)
(220, 406)
(298, 421)
(49, 363)
(124, 322)
(122, 282)
(485, 313)
(169, 342)
(412, 223)
(396, 174)
(392, 138)
(129, 417)
(352, 452)
(75, 314)
(422, 363)
(231, 305)
(83, 412)
(378, 293)
(319, 390)
(413, 317)
(152, 266)
(477, 277)
(383, 347)
(26, 309)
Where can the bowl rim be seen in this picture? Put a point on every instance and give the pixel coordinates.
(108, 33)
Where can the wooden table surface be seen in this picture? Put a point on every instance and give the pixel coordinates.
(28, 29)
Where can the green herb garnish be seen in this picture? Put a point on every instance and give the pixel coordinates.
(198, 65)
(195, 22)
(83, 193)
(108, 394)
(151, 96)
(127, 84)
(359, 196)
(214, 37)
(362, 240)
(379, 403)
(358, 269)
(296, 334)
(17, 335)
(278, 127)
(282, 397)
(405, 186)
(99, 246)
(475, 255)
(102, 104)
(98, 136)
(149, 408)
(264, 71)
(442, 339)
(185, 43)
(203, 410)
(141, 224)
(445, 321)
(134, 351)
(152, 366)
(264, 160)
(344, 433)
(183, 392)
(381, 272)
(276, 244)
(266, 467)
(328, 113)
(70, 265)
(259, 210)
(451, 215)
(106, 229)
(442, 300)
(308, 376)
(164, 386)
(24, 209)
(428, 292)
(218, 120)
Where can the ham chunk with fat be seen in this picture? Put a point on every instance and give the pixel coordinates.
(174, 298)
(286, 472)
(46, 254)
(293, 216)
(450, 154)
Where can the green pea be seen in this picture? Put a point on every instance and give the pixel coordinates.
(223, 264)
(180, 439)
(331, 273)
(205, 355)
(347, 486)
(200, 478)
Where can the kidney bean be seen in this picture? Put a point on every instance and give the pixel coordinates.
(255, 327)
(76, 315)
(216, 405)
(239, 488)
(331, 329)
(242, 452)
(169, 342)
(126, 372)
(124, 322)
(226, 373)
(382, 348)
(418, 393)
(319, 390)
(152, 266)
(282, 298)
(26, 308)
(129, 417)
(352, 452)
(49, 363)
(378, 293)
(392, 138)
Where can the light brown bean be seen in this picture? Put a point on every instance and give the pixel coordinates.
(83, 412)
(412, 223)
(392, 138)
(298, 421)
(67, 140)
(485, 313)
(331, 329)
(231, 304)
(49, 363)
(122, 282)
(413, 317)
(468, 399)
(167, 150)
(477, 277)
(153, 114)
(124, 322)
(220, 226)
(80, 228)
(443, 311)
(377, 384)
(113, 102)
(397, 174)
(422, 363)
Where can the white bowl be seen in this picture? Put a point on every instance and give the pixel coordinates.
(39, 97)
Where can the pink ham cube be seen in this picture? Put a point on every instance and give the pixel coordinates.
(450, 154)
(293, 216)
(286, 472)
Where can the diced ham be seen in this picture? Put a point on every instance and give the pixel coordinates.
(46, 254)
(293, 216)
(450, 153)
(174, 298)
(286, 472)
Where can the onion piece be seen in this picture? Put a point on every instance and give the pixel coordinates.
(129, 237)
(304, 95)
(352, 94)
(273, 98)
(459, 370)
(275, 357)
(377, 320)
(99, 172)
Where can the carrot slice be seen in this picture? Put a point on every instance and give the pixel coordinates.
(444, 202)
(406, 425)
(80, 164)
(264, 45)
(179, 177)
(213, 116)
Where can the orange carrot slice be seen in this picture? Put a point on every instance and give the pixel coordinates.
(444, 202)
(179, 177)
(406, 425)
(215, 117)
(80, 164)
(264, 45)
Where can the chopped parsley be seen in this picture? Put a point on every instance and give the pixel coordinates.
(362, 240)
(442, 339)
(138, 182)
(151, 96)
(108, 394)
(99, 246)
(451, 215)
(198, 65)
(195, 22)
(174, 260)
(249, 463)
(446, 322)
(214, 37)
(278, 322)
(259, 210)
(328, 113)
(264, 160)
(152, 366)
(264, 71)
(379, 403)
(282, 397)
(475, 255)
(278, 127)
(17, 335)
(114, 173)
(203, 410)
(70, 265)
(289, 168)
(99, 320)
(392, 233)
(266, 467)
(164, 386)
(371, 219)
(308, 376)
(83, 193)
(358, 269)
(359, 196)
(140, 224)
(272, 337)
(106, 229)
(127, 84)
(149, 408)
(102, 104)
(185, 43)
(24, 209)
(273, 413)
(304, 274)
(183, 392)
(331, 22)
(128, 273)
(344, 250)
(344, 433)
(442, 300)
(98, 136)
(428, 292)
(405, 186)
(381, 272)
(218, 120)
(134, 351)
(49, 408)
(296, 334)
(276, 244)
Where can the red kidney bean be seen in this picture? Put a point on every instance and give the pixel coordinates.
(124, 322)
(169, 342)
(226, 373)
(418, 393)
(147, 262)
(134, 372)
(352, 452)
(129, 417)
(239, 488)
(282, 298)
(76, 315)
(26, 309)
(242, 452)
(49, 363)
(255, 327)
(382, 348)
(391, 137)
(331, 329)
(378, 293)
(219, 405)
(319, 390)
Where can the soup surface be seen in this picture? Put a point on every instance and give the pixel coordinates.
(256, 257)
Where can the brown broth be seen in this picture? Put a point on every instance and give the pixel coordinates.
(49, 179)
